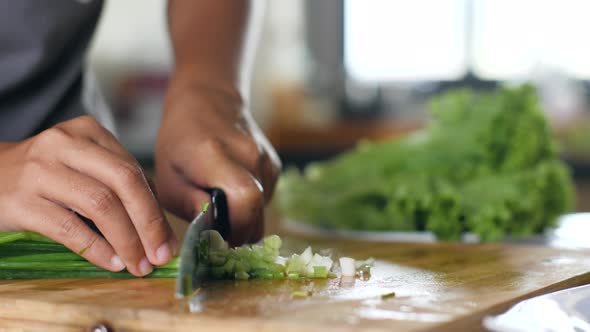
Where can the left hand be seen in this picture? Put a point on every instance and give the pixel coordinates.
(209, 140)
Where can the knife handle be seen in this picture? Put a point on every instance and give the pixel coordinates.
(220, 212)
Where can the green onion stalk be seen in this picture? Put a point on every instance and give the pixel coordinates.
(26, 255)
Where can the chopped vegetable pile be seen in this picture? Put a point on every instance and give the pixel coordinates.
(261, 260)
(485, 164)
(26, 255)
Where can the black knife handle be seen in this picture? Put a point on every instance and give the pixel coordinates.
(220, 212)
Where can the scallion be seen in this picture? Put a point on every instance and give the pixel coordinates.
(26, 255)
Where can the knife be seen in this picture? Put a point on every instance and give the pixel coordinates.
(192, 269)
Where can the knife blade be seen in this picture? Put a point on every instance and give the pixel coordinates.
(193, 270)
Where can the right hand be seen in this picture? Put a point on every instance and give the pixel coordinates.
(78, 166)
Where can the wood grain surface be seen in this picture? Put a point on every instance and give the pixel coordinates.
(438, 287)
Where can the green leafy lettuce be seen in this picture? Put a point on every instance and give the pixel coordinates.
(486, 163)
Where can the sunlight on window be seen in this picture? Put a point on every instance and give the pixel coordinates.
(388, 40)
(404, 40)
(513, 39)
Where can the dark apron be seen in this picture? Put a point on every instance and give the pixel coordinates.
(42, 53)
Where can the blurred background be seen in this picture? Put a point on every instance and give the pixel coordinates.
(332, 72)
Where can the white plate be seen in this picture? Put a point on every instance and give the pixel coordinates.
(381, 236)
(571, 233)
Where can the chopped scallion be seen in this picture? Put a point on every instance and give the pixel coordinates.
(301, 294)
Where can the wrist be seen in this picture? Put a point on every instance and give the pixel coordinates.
(194, 96)
(190, 81)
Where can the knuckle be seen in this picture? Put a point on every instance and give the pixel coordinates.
(31, 176)
(48, 140)
(154, 224)
(251, 148)
(102, 200)
(54, 135)
(251, 193)
(69, 226)
(130, 174)
(88, 122)
(213, 146)
(32, 169)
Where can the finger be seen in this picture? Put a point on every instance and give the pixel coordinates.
(100, 204)
(245, 151)
(244, 192)
(86, 126)
(129, 184)
(262, 169)
(185, 199)
(268, 176)
(179, 195)
(253, 156)
(153, 188)
(65, 227)
(271, 166)
(89, 128)
(258, 231)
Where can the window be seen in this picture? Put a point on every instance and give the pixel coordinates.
(433, 40)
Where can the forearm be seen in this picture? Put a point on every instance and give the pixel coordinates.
(210, 41)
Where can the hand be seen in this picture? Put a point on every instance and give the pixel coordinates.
(78, 166)
(208, 141)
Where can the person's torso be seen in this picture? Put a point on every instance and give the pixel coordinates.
(42, 47)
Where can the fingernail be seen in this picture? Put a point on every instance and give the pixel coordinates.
(163, 254)
(117, 263)
(145, 267)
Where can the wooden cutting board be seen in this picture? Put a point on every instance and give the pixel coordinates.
(437, 286)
